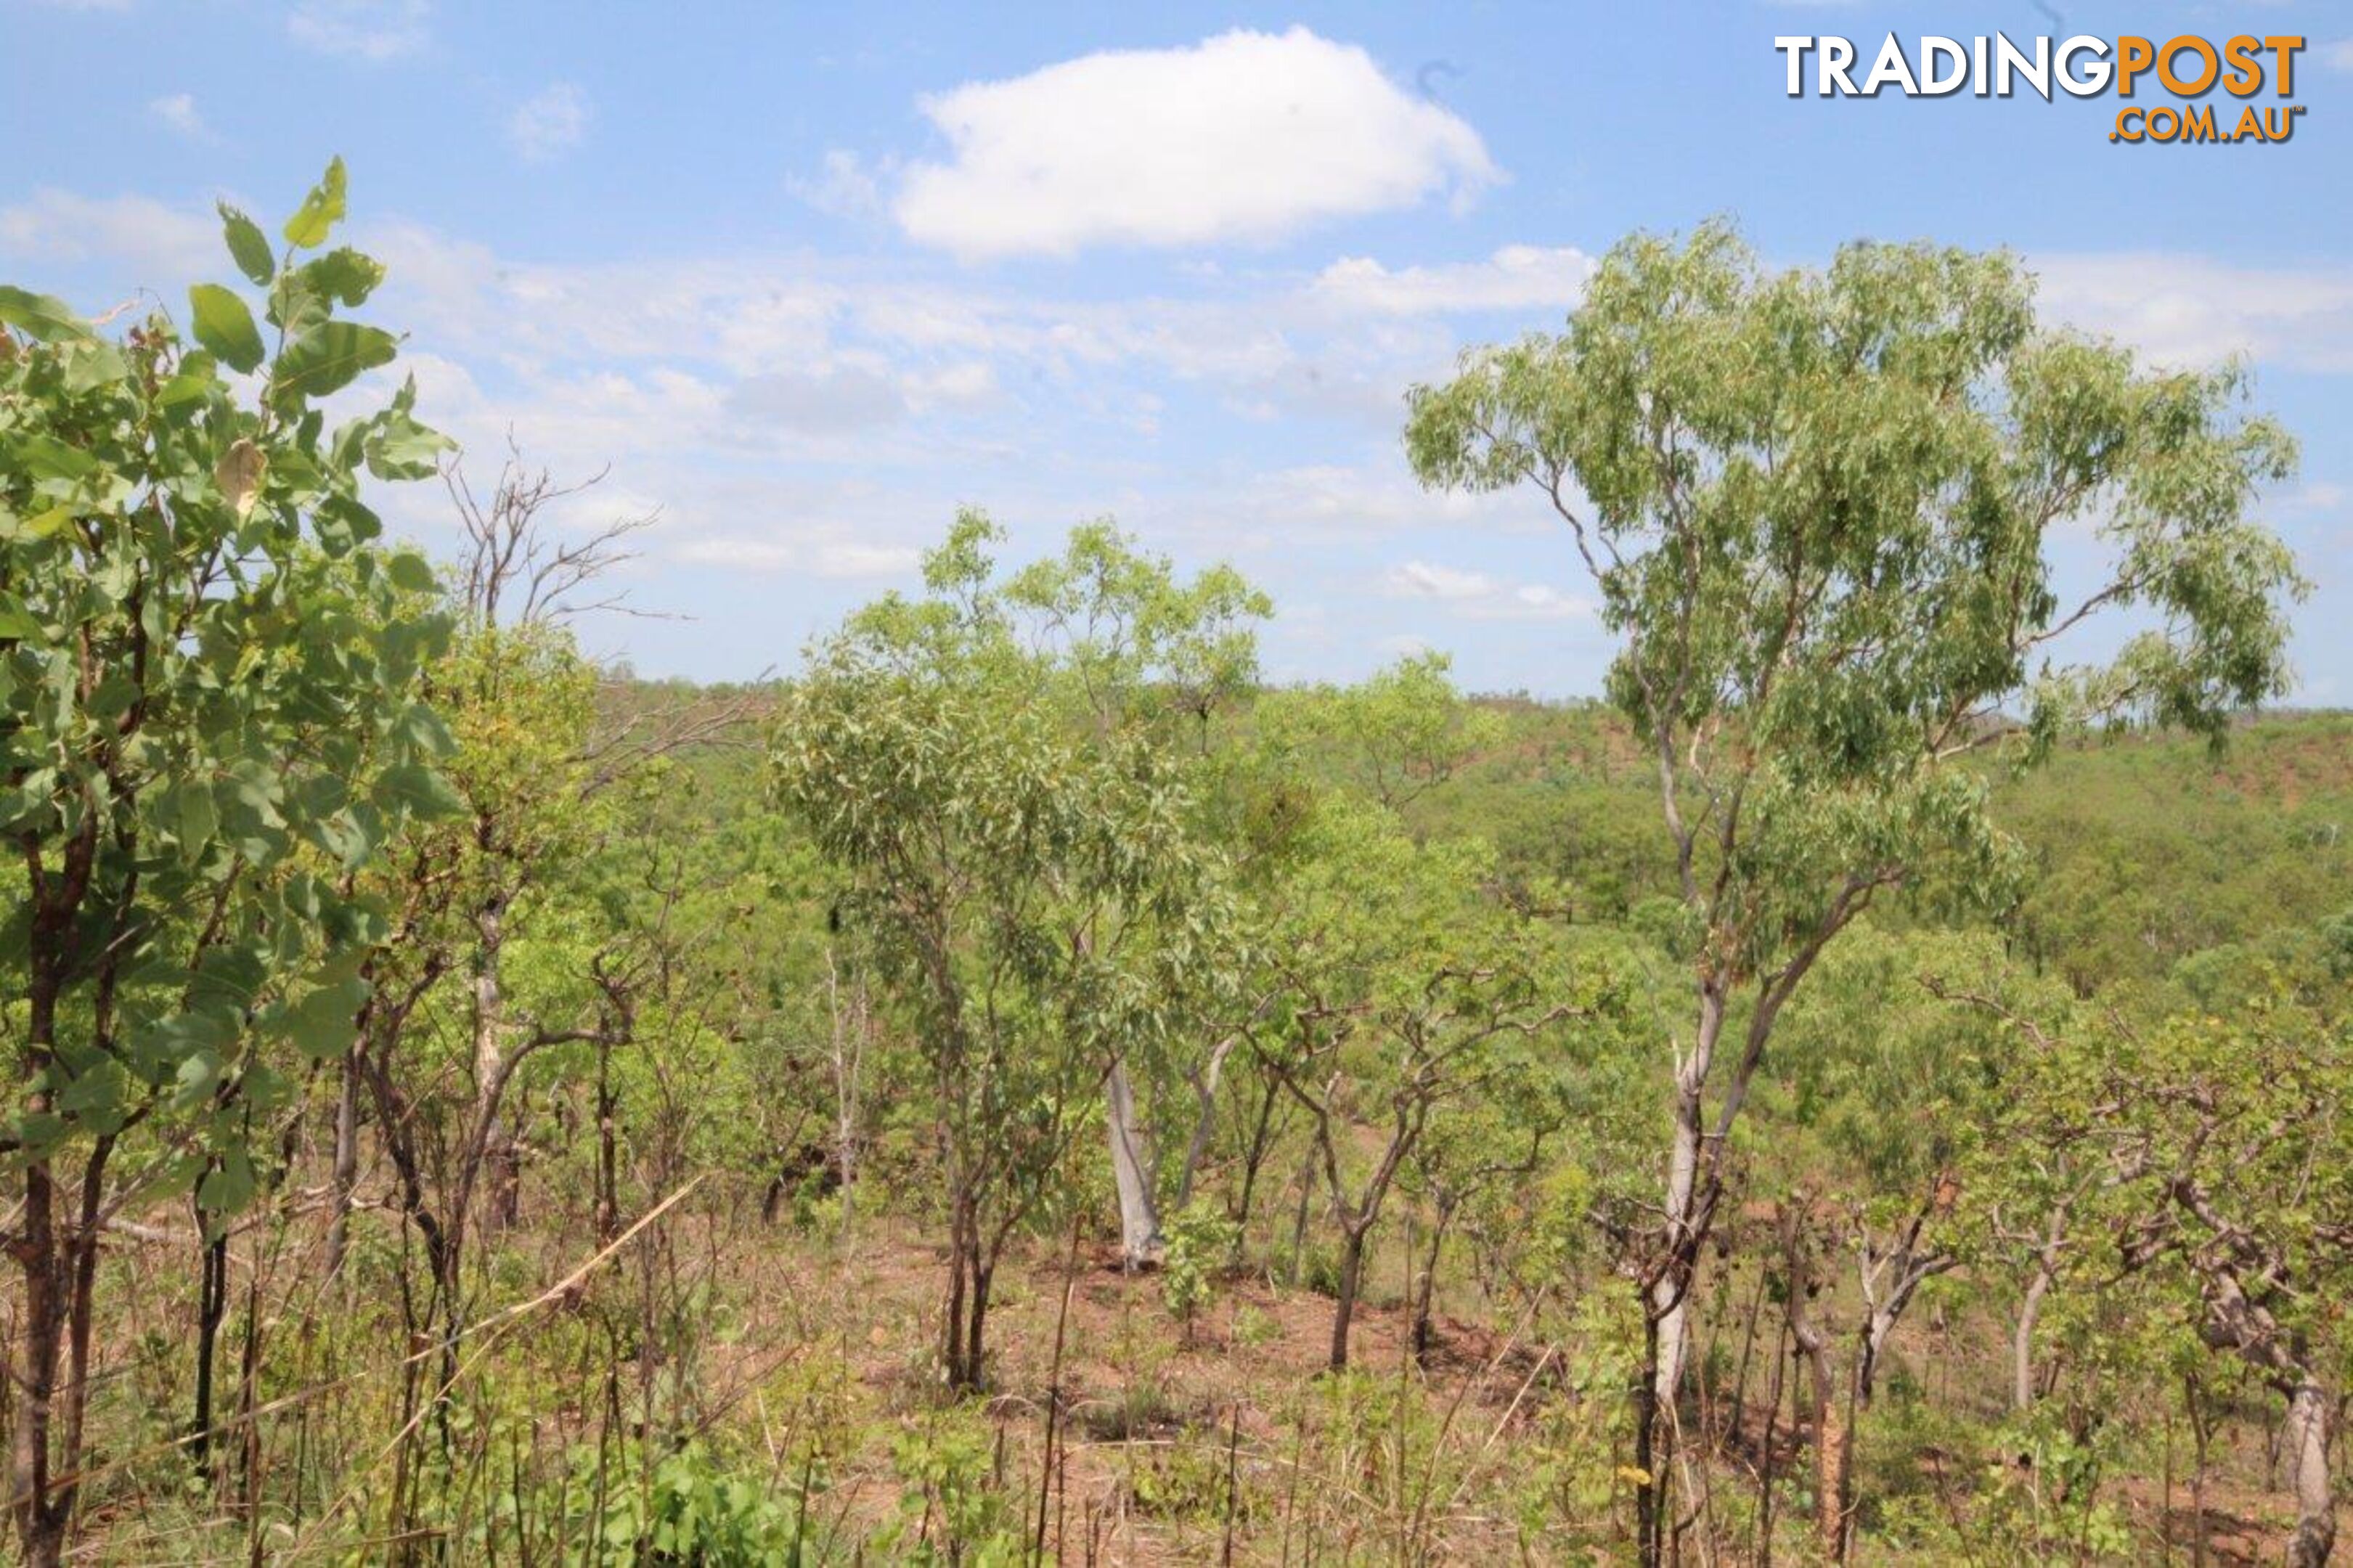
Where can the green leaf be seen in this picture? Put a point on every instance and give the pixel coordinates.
(320, 211)
(199, 818)
(411, 573)
(419, 790)
(45, 316)
(329, 357)
(344, 275)
(229, 1187)
(47, 457)
(247, 246)
(93, 363)
(224, 325)
(398, 447)
(98, 1096)
(321, 1022)
(197, 1076)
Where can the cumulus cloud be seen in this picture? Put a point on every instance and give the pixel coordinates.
(178, 113)
(2338, 56)
(1516, 278)
(362, 29)
(553, 121)
(1247, 136)
(2192, 310)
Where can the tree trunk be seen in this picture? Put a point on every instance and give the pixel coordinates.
(212, 1306)
(1344, 1308)
(1667, 1298)
(608, 1173)
(2021, 1339)
(501, 1163)
(963, 1343)
(1426, 1288)
(347, 1162)
(1140, 1244)
(1834, 1450)
(2307, 1449)
(1256, 1156)
(1205, 1116)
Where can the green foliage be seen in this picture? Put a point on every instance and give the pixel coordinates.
(210, 685)
(952, 1508)
(1201, 1239)
(692, 1512)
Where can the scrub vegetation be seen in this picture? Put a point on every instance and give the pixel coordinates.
(1019, 1086)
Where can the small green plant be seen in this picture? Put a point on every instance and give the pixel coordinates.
(694, 1512)
(953, 1508)
(1253, 1328)
(1200, 1238)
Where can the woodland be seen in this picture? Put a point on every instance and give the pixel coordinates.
(1016, 1084)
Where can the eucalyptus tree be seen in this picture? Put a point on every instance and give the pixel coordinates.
(1038, 902)
(1145, 658)
(1817, 507)
(211, 713)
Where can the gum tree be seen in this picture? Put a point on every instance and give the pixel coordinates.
(1142, 658)
(1037, 906)
(1818, 509)
(209, 715)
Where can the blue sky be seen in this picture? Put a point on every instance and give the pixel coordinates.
(808, 278)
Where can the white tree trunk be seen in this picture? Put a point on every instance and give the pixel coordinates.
(1131, 1167)
(2307, 1450)
(1671, 1296)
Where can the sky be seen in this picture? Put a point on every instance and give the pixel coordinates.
(800, 281)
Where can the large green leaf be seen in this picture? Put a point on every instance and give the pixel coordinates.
(321, 1022)
(419, 790)
(247, 246)
(320, 211)
(224, 325)
(45, 316)
(329, 357)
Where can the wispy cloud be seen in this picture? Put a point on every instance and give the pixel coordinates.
(362, 29)
(1516, 278)
(178, 114)
(2191, 310)
(551, 121)
(1479, 597)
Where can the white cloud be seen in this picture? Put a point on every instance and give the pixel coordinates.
(362, 29)
(159, 245)
(823, 557)
(178, 111)
(2191, 311)
(843, 187)
(1516, 278)
(553, 119)
(2338, 56)
(1477, 596)
(1247, 136)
